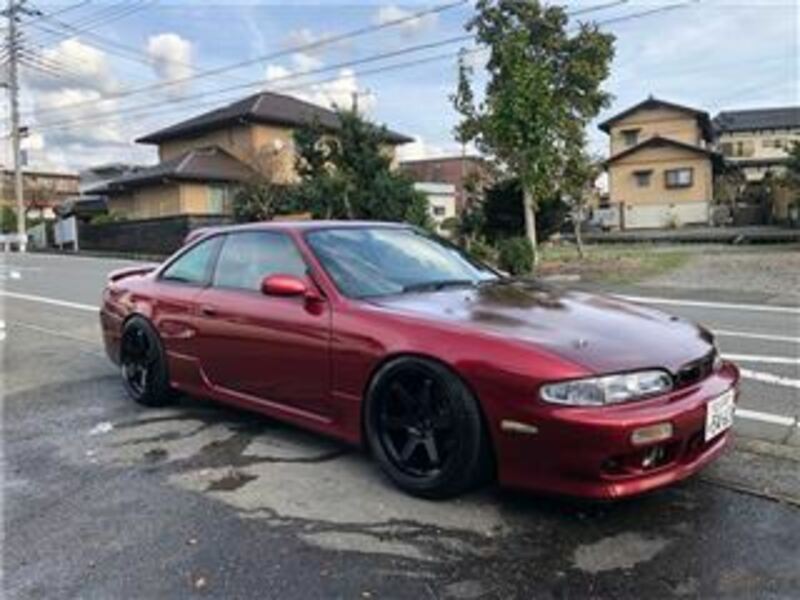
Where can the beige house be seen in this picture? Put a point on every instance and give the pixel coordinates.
(203, 160)
(758, 142)
(661, 165)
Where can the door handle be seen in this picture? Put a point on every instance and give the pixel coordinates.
(208, 311)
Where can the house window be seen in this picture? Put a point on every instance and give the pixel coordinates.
(726, 148)
(643, 178)
(745, 148)
(438, 211)
(773, 143)
(630, 136)
(678, 178)
(218, 196)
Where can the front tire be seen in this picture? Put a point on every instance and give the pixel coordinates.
(425, 429)
(143, 364)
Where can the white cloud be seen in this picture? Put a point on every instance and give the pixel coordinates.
(335, 92)
(305, 62)
(300, 38)
(172, 60)
(76, 65)
(392, 12)
(420, 149)
(60, 107)
(276, 72)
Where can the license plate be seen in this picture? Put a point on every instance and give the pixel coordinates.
(719, 414)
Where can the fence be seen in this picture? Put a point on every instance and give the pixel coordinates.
(159, 236)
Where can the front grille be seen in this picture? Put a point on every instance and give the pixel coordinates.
(695, 371)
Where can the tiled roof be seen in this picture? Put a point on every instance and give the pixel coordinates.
(651, 103)
(264, 107)
(758, 118)
(201, 164)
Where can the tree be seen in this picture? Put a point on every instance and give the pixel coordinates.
(543, 89)
(580, 173)
(503, 213)
(348, 175)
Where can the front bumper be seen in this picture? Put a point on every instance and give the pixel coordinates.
(587, 452)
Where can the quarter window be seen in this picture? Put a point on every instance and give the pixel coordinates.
(194, 267)
(246, 258)
(678, 178)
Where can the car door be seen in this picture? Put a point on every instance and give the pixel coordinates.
(174, 293)
(267, 348)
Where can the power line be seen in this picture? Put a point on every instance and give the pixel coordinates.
(300, 48)
(291, 76)
(115, 13)
(112, 115)
(116, 48)
(147, 111)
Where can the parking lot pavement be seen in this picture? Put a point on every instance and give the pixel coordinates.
(103, 498)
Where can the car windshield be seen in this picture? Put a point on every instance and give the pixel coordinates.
(380, 261)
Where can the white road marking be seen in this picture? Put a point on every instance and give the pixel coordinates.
(757, 336)
(53, 301)
(772, 360)
(756, 415)
(770, 378)
(2, 330)
(722, 305)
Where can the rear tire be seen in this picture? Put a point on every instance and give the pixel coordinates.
(143, 364)
(425, 429)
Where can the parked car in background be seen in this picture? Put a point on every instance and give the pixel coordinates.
(451, 374)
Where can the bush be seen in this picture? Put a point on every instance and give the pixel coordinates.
(8, 220)
(516, 255)
(482, 251)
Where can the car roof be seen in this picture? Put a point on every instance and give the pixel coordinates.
(305, 225)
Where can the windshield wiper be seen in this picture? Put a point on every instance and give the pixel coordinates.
(437, 285)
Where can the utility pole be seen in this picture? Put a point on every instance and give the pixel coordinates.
(14, 7)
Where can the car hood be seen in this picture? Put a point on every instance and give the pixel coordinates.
(601, 333)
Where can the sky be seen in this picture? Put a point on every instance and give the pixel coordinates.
(99, 74)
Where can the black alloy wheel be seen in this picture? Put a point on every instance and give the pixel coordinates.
(425, 429)
(142, 364)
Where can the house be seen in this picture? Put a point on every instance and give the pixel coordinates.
(204, 159)
(661, 165)
(452, 170)
(42, 191)
(441, 202)
(757, 141)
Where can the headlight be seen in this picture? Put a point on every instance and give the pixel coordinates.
(611, 389)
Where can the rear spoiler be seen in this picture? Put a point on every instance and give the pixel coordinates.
(118, 274)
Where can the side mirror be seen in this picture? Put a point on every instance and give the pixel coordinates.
(283, 285)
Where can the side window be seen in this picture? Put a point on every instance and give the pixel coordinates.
(246, 258)
(194, 267)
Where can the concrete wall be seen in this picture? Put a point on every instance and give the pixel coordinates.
(666, 122)
(160, 236)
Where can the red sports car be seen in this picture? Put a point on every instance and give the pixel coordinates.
(380, 334)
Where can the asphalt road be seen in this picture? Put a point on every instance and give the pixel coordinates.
(104, 499)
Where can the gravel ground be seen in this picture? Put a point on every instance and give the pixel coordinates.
(771, 270)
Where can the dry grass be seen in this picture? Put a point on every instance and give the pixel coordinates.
(612, 263)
